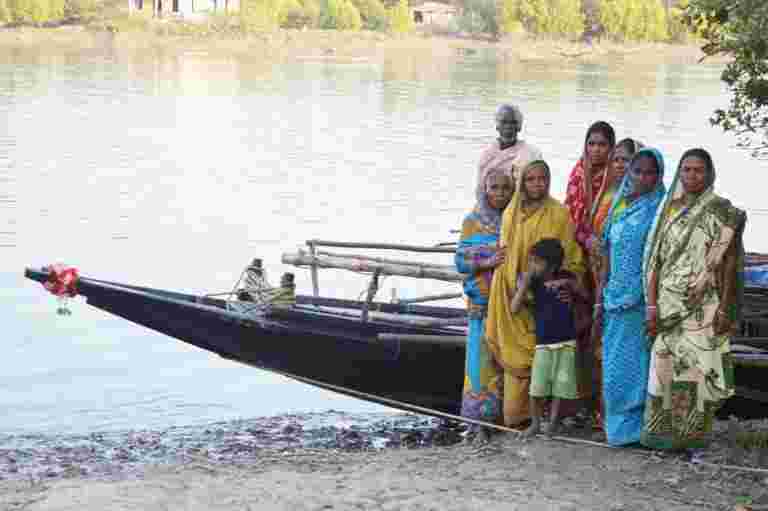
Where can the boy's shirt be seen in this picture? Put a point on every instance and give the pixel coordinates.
(554, 318)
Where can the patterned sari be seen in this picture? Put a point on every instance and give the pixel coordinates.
(477, 246)
(625, 343)
(511, 337)
(696, 258)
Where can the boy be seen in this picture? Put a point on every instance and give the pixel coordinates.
(554, 363)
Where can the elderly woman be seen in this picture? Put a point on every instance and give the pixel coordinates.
(620, 300)
(531, 216)
(694, 276)
(507, 152)
(477, 256)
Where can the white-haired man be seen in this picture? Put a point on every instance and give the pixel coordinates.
(507, 152)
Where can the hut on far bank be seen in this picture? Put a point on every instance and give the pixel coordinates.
(429, 13)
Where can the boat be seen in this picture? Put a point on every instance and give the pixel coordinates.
(403, 355)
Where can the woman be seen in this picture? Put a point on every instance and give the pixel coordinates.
(477, 255)
(588, 178)
(694, 274)
(618, 161)
(531, 216)
(620, 302)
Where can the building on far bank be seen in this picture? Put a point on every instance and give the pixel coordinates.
(183, 8)
(429, 12)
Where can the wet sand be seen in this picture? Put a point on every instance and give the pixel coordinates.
(237, 468)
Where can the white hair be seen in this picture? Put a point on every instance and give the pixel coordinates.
(503, 109)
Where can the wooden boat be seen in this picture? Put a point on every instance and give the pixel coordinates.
(405, 356)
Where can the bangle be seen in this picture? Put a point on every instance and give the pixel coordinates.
(598, 305)
(651, 307)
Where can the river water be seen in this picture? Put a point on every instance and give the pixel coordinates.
(174, 171)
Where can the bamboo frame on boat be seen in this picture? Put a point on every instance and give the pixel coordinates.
(366, 264)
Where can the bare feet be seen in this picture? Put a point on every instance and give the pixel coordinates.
(483, 436)
(532, 430)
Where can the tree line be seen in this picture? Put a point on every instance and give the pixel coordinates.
(38, 12)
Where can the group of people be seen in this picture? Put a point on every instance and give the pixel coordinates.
(617, 304)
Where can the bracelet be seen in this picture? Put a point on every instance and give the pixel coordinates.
(598, 305)
(651, 307)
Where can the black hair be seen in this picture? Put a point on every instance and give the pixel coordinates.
(604, 128)
(551, 251)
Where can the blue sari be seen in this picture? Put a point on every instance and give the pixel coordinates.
(626, 352)
(479, 238)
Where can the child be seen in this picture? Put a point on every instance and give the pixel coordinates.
(554, 364)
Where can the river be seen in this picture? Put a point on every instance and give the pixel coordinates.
(173, 171)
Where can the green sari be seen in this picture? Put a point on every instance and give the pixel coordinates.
(696, 255)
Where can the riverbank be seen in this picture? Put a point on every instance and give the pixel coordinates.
(380, 461)
(334, 45)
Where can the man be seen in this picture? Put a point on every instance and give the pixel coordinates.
(507, 151)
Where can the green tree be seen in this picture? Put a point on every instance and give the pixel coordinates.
(552, 17)
(509, 17)
(5, 12)
(260, 14)
(400, 20)
(639, 20)
(373, 14)
(737, 28)
(349, 17)
(480, 16)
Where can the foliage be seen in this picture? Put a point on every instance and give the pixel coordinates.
(737, 28)
(639, 20)
(400, 20)
(373, 14)
(5, 12)
(259, 14)
(479, 16)
(34, 12)
(555, 17)
(509, 17)
(339, 15)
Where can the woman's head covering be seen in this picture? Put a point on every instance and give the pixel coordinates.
(628, 186)
(531, 166)
(603, 128)
(489, 217)
(677, 186)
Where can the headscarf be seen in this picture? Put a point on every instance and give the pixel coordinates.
(580, 193)
(489, 217)
(627, 186)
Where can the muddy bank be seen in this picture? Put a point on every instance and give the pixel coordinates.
(338, 45)
(506, 473)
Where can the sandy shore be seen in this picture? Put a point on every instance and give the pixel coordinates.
(330, 44)
(507, 474)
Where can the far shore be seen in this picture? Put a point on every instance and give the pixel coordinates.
(339, 45)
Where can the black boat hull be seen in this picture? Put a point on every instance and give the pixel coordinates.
(338, 353)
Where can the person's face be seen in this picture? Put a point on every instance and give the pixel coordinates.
(507, 126)
(598, 148)
(693, 174)
(619, 163)
(644, 175)
(536, 183)
(499, 190)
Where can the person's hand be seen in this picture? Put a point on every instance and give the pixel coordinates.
(721, 324)
(565, 292)
(536, 266)
(651, 321)
(499, 258)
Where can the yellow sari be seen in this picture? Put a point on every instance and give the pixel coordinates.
(512, 337)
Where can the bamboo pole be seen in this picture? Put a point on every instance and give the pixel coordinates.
(431, 298)
(361, 265)
(380, 246)
(313, 270)
(378, 259)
